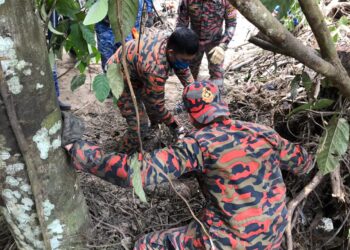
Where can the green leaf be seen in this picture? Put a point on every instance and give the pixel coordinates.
(89, 3)
(77, 41)
(285, 5)
(294, 86)
(333, 145)
(67, 8)
(319, 104)
(306, 80)
(115, 79)
(88, 34)
(81, 66)
(136, 177)
(128, 13)
(335, 37)
(97, 12)
(101, 87)
(344, 21)
(77, 81)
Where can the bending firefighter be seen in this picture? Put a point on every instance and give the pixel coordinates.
(238, 165)
(149, 64)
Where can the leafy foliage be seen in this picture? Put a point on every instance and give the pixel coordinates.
(306, 81)
(77, 81)
(333, 144)
(285, 5)
(136, 177)
(294, 86)
(88, 34)
(294, 16)
(319, 104)
(101, 87)
(75, 33)
(341, 25)
(68, 8)
(115, 79)
(128, 13)
(97, 12)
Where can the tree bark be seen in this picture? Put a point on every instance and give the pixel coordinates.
(39, 193)
(282, 41)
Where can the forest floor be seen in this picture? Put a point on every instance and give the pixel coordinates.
(259, 88)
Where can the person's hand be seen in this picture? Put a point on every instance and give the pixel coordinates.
(73, 129)
(217, 55)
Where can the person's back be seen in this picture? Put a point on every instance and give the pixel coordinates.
(148, 57)
(243, 181)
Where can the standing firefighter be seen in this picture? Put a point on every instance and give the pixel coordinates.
(238, 165)
(206, 18)
(149, 64)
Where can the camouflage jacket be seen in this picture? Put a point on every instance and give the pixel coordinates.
(239, 168)
(148, 66)
(206, 18)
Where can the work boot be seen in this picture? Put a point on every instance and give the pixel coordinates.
(64, 106)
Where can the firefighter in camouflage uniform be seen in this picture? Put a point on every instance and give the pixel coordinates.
(206, 18)
(238, 165)
(149, 65)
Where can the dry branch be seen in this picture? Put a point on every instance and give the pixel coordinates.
(337, 185)
(295, 202)
(280, 40)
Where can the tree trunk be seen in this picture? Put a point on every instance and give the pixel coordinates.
(39, 193)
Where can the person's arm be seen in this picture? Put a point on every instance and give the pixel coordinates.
(294, 158)
(185, 76)
(183, 19)
(230, 24)
(185, 156)
(149, 6)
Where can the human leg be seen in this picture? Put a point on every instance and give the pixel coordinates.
(129, 142)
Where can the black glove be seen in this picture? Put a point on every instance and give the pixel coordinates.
(73, 128)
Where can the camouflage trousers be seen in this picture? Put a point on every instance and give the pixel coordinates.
(216, 71)
(129, 142)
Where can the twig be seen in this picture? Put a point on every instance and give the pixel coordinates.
(64, 73)
(295, 202)
(49, 15)
(240, 65)
(126, 72)
(188, 205)
(27, 156)
(337, 185)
